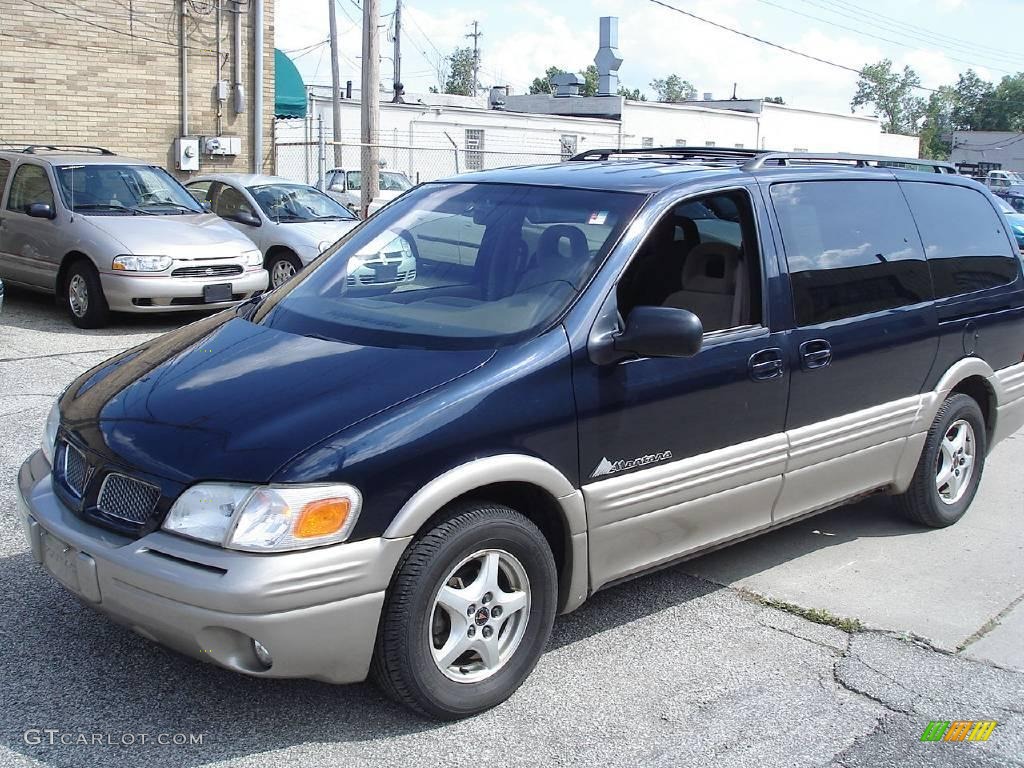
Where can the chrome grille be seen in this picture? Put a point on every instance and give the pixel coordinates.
(402, 276)
(126, 498)
(75, 470)
(219, 270)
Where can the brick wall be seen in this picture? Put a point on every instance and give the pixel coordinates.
(107, 72)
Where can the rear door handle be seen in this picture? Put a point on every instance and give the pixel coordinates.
(766, 364)
(816, 353)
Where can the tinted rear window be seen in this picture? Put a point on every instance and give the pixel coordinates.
(967, 247)
(852, 248)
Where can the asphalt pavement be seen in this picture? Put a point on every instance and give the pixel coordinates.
(686, 667)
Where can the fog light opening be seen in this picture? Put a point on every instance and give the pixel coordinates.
(262, 654)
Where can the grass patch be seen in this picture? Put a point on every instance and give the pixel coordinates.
(817, 615)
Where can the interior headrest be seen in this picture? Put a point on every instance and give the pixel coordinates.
(711, 267)
(549, 246)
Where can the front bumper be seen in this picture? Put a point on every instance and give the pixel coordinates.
(316, 610)
(162, 293)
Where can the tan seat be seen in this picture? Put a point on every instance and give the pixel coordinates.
(709, 285)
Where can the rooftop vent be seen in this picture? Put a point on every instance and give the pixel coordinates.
(566, 84)
(709, 96)
(607, 59)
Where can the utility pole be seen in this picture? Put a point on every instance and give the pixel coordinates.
(335, 87)
(369, 98)
(397, 80)
(476, 34)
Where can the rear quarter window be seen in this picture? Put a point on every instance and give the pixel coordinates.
(967, 247)
(852, 248)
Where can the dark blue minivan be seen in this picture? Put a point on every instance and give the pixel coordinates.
(601, 367)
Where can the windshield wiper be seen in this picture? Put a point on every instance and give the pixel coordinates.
(112, 207)
(333, 218)
(172, 204)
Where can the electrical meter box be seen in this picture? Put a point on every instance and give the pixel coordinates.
(186, 151)
(222, 145)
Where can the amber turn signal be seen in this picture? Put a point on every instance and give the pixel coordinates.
(322, 518)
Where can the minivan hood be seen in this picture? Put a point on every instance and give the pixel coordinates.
(203, 236)
(225, 399)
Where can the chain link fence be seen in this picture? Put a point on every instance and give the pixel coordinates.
(309, 162)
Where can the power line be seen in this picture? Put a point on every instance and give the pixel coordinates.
(863, 33)
(915, 30)
(769, 43)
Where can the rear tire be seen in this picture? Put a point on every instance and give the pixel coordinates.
(468, 613)
(83, 296)
(951, 464)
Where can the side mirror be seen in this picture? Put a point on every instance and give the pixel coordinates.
(40, 210)
(247, 218)
(661, 332)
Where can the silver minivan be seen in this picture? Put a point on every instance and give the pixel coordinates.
(107, 233)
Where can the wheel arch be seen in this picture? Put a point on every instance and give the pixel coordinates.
(65, 265)
(975, 378)
(527, 484)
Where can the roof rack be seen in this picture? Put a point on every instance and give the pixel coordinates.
(860, 161)
(681, 153)
(32, 149)
(756, 159)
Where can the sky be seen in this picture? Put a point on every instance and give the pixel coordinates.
(521, 38)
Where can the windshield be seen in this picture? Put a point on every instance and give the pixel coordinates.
(390, 181)
(123, 190)
(287, 203)
(455, 265)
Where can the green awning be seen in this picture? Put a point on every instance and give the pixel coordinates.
(289, 90)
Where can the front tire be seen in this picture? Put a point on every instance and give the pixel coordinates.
(949, 471)
(282, 266)
(468, 613)
(83, 296)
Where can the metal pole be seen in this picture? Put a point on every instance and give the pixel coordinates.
(239, 89)
(218, 71)
(322, 155)
(183, 44)
(257, 87)
(370, 104)
(397, 80)
(335, 86)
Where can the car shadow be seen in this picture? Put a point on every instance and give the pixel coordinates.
(67, 668)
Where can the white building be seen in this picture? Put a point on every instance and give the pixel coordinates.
(435, 135)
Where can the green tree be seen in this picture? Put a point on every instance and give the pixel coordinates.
(590, 81)
(1005, 110)
(673, 88)
(460, 72)
(973, 107)
(589, 76)
(892, 94)
(633, 94)
(937, 128)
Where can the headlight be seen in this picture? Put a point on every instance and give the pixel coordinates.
(323, 246)
(253, 258)
(141, 263)
(265, 518)
(50, 431)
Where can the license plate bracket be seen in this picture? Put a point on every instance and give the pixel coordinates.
(60, 560)
(216, 293)
(385, 273)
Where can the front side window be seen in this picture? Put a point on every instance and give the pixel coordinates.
(286, 203)
(964, 238)
(852, 248)
(702, 256)
(5, 171)
(455, 265)
(354, 180)
(123, 190)
(30, 186)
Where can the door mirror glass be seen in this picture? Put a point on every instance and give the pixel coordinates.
(39, 210)
(661, 332)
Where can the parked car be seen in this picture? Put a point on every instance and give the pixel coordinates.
(346, 187)
(647, 358)
(1004, 182)
(1, 295)
(1016, 219)
(291, 223)
(111, 233)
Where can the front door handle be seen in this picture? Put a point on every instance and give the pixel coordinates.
(766, 364)
(816, 353)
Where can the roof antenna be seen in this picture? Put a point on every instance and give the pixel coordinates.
(734, 92)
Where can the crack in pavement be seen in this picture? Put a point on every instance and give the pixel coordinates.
(991, 624)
